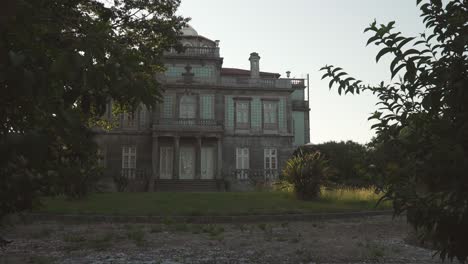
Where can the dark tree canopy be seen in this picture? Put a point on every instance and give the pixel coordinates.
(60, 63)
(422, 122)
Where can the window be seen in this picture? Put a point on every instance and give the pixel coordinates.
(242, 162)
(143, 118)
(174, 71)
(203, 72)
(271, 159)
(242, 114)
(102, 157)
(165, 162)
(128, 120)
(188, 107)
(129, 161)
(270, 114)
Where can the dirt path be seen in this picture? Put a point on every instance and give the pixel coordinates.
(362, 240)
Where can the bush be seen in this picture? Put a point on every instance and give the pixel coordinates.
(306, 173)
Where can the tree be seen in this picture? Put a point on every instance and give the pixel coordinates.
(422, 123)
(349, 161)
(60, 63)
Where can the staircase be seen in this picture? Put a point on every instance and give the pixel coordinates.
(188, 185)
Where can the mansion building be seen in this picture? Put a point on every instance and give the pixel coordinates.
(216, 128)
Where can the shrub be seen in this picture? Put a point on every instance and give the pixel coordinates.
(306, 173)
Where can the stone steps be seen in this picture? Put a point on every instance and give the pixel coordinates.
(188, 185)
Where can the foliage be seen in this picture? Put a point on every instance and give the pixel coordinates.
(422, 123)
(307, 173)
(350, 162)
(167, 204)
(60, 63)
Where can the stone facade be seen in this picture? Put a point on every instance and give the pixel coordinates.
(223, 127)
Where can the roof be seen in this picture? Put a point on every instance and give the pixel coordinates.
(242, 72)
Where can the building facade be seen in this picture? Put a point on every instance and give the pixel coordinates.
(216, 128)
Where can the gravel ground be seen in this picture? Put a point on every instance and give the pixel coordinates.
(378, 239)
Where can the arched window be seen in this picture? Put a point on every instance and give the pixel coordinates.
(188, 106)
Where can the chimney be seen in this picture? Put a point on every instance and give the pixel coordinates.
(254, 65)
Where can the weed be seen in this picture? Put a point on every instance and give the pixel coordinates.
(40, 260)
(137, 236)
(262, 226)
(156, 229)
(43, 233)
(181, 227)
(74, 238)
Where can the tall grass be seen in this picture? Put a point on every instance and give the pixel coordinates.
(350, 194)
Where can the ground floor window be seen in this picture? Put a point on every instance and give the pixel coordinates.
(271, 159)
(242, 162)
(165, 162)
(129, 161)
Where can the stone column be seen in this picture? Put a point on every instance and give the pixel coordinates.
(154, 163)
(198, 158)
(175, 164)
(219, 163)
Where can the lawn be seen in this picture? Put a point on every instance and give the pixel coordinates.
(219, 203)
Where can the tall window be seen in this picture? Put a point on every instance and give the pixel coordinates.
(128, 120)
(188, 107)
(143, 118)
(242, 162)
(102, 157)
(242, 114)
(270, 114)
(165, 163)
(129, 161)
(271, 159)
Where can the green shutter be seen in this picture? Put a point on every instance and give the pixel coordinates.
(229, 113)
(282, 114)
(167, 106)
(206, 106)
(256, 112)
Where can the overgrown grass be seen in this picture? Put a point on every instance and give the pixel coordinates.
(218, 203)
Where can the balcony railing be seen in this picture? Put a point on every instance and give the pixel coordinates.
(297, 83)
(188, 123)
(195, 51)
(300, 105)
(255, 175)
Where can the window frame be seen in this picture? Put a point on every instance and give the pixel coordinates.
(268, 157)
(242, 125)
(270, 125)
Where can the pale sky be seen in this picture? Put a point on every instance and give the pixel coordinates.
(302, 36)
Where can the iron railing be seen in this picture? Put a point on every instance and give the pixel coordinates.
(256, 175)
(195, 51)
(188, 122)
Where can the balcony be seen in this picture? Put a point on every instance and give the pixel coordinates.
(209, 52)
(255, 176)
(261, 83)
(300, 105)
(188, 124)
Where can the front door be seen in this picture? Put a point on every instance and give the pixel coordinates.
(187, 163)
(165, 163)
(207, 168)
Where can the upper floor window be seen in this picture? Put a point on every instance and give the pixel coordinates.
(188, 107)
(242, 114)
(174, 71)
(270, 114)
(203, 72)
(143, 117)
(128, 120)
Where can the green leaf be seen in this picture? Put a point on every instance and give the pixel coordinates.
(383, 52)
(395, 71)
(372, 39)
(404, 42)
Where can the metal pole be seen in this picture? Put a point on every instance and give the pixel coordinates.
(308, 90)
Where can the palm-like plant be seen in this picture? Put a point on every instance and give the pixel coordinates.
(306, 172)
